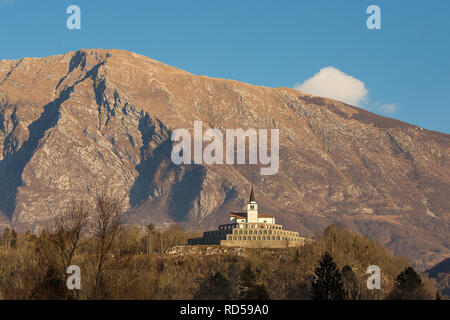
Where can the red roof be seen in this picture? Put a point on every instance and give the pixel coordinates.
(243, 215)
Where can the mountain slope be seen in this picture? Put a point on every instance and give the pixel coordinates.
(86, 120)
(441, 274)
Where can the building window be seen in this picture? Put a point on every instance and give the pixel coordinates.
(245, 238)
(265, 231)
(240, 231)
(245, 231)
(234, 238)
(239, 238)
(254, 238)
(263, 237)
(259, 238)
(278, 237)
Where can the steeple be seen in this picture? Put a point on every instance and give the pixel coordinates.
(252, 208)
(252, 196)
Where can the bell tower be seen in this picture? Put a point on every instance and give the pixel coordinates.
(252, 208)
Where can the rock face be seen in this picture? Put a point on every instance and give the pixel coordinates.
(92, 119)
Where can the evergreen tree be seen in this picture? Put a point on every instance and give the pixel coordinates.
(247, 277)
(13, 242)
(327, 284)
(51, 287)
(6, 238)
(408, 286)
(27, 236)
(296, 256)
(215, 287)
(350, 283)
(249, 287)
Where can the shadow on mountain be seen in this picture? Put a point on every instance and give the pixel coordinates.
(156, 168)
(12, 166)
(152, 160)
(186, 191)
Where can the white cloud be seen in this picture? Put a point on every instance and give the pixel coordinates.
(332, 83)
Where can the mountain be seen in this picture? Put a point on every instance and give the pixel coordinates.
(441, 267)
(76, 123)
(441, 274)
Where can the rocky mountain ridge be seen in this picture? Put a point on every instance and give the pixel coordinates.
(75, 123)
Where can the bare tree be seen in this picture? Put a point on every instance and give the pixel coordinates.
(67, 234)
(107, 220)
(68, 231)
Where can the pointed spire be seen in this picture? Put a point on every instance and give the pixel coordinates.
(252, 196)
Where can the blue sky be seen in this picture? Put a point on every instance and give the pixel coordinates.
(405, 65)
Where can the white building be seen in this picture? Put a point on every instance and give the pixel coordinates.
(251, 229)
(251, 216)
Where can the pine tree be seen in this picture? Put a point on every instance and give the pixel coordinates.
(13, 242)
(249, 287)
(51, 287)
(6, 238)
(247, 277)
(350, 283)
(215, 287)
(327, 284)
(408, 286)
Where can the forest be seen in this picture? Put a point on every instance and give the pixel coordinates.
(120, 261)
